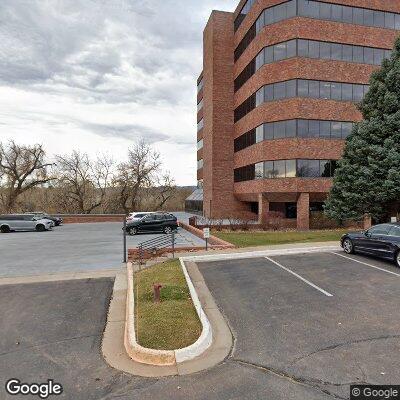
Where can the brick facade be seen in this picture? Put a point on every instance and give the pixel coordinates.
(224, 198)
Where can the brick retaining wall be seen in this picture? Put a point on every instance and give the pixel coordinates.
(85, 218)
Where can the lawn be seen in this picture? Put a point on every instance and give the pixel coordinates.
(248, 239)
(173, 323)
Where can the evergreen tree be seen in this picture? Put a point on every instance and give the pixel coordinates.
(367, 179)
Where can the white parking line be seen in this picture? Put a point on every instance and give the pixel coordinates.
(368, 265)
(301, 278)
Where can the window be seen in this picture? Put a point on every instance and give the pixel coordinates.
(259, 133)
(291, 128)
(314, 9)
(200, 105)
(269, 169)
(200, 144)
(380, 229)
(336, 130)
(200, 85)
(301, 128)
(394, 231)
(269, 131)
(325, 50)
(279, 90)
(347, 91)
(279, 130)
(246, 173)
(308, 168)
(336, 51)
(291, 49)
(302, 48)
(259, 170)
(346, 129)
(325, 129)
(200, 164)
(368, 55)
(336, 91)
(358, 54)
(347, 52)
(286, 169)
(313, 129)
(280, 168)
(313, 89)
(312, 49)
(302, 88)
(200, 125)
(290, 168)
(279, 51)
(325, 90)
(325, 168)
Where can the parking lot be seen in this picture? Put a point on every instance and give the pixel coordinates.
(306, 326)
(72, 247)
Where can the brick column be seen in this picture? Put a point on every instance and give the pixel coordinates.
(367, 222)
(263, 208)
(303, 212)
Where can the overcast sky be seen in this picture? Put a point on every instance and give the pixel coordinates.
(98, 75)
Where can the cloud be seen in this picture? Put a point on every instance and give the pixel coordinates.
(116, 69)
(129, 131)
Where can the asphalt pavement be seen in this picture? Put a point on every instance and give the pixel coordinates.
(305, 327)
(72, 247)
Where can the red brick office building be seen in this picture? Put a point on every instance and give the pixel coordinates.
(277, 97)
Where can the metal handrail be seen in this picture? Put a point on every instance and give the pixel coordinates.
(156, 244)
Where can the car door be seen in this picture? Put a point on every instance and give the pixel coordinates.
(375, 240)
(17, 222)
(148, 224)
(394, 239)
(29, 222)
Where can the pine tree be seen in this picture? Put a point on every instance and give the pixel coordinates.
(367, 179)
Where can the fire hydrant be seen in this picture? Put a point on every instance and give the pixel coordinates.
(157, 290)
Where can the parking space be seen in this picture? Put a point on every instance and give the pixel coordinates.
(72, 247)
(306, 326)
(321, 319)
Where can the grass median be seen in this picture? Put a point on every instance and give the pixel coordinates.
(173, 323)
(249, 239)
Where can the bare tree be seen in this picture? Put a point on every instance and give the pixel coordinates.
(22, 167)
(84, 181)
(165, 190)
(138, 173)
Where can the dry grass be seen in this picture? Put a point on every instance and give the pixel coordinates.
(173, 323)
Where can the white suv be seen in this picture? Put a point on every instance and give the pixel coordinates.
(135, 216)
(24, 222)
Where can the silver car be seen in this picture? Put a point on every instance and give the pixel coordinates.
(24, 222)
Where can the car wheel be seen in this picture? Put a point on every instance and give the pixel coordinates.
(40, 228)
(5, 229)
(132, 231)
(167, 229)
(348, 246)
(397, 258)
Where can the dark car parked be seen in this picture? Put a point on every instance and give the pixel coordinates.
(156, 222)
(381, 240)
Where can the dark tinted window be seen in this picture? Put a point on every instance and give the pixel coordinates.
(380, 229)
(395, 231)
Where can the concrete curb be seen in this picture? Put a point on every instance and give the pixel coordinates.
(205, 339)
(134, 350)
(213, 241)
(164, 357)
(260, 253)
